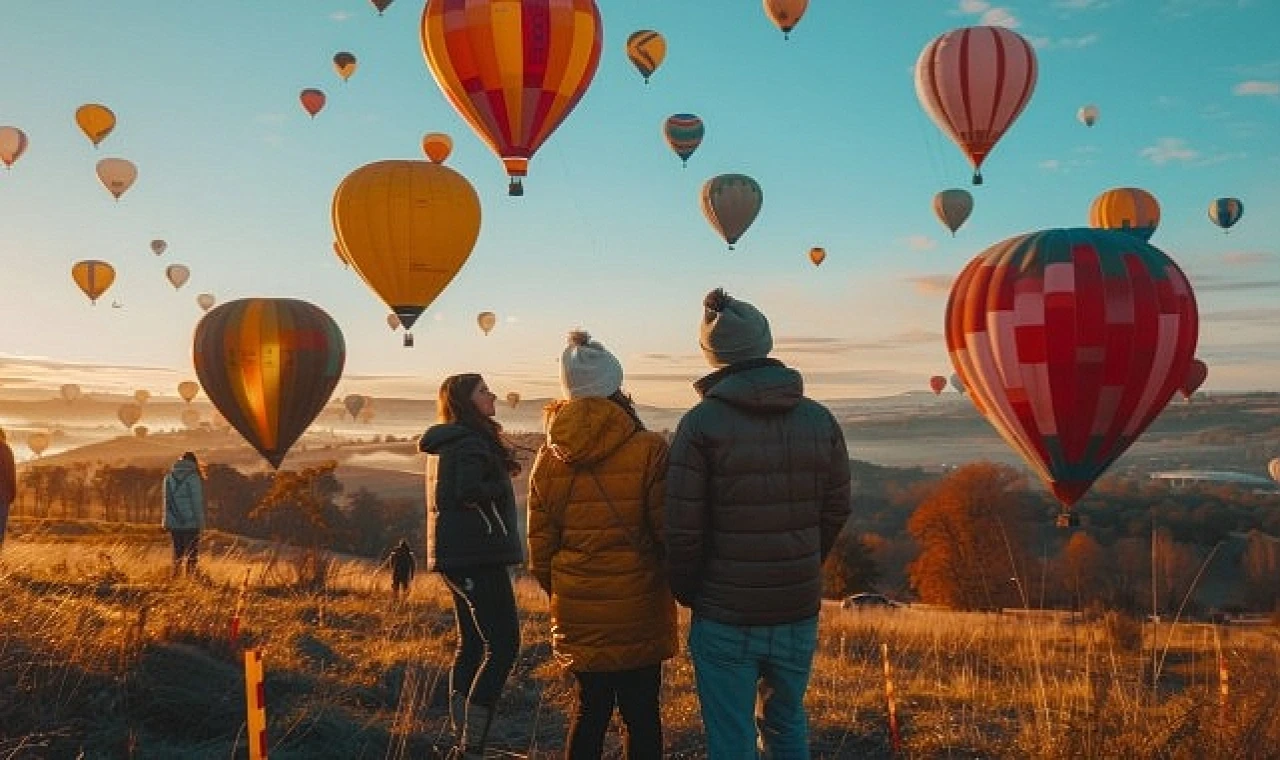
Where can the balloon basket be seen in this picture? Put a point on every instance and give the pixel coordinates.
(408, 340)
(515, 189)
(1068, 520)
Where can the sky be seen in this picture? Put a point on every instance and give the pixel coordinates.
(609, 235)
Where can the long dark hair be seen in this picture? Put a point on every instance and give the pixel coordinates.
(629, 406)
(454, 405)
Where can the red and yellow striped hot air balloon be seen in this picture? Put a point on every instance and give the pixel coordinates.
(512, 69)
(1126, 209)
(269, 366)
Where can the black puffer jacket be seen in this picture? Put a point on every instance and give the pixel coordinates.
(757, 491)
(471, 506)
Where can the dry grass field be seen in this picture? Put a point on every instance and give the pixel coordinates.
(103, 656)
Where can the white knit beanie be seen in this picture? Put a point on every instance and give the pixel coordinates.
(587, 368)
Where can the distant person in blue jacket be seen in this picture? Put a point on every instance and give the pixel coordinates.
(184, 511)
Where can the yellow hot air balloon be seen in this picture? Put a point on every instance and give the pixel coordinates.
(96, 121)
(785, 14)
(513, 399)
(191, 418)
(1128, 209)
(817, 255)
(70, 392)
(117, 175)
(345, 64)
(129, 414)
(646, 49)
(141, 396)
(188, 389)
(38, 442)
(407, 228)
(93, 277)
(13, 143)
(177, 275)
(437, 146)
(205, 301)
(487, 321)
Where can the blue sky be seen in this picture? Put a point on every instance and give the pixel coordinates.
(609, 235)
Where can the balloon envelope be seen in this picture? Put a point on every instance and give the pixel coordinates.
(937, 384)
(188, 390)
(345, 64)
(96, 121)
(1225, 212)
(817, 255)
(354, 403)
(1088, 115)
(785, 14)
(1071, 342)
(1273, 469)
(684, 133)
(952, 207)
(731, 203)
(129, 414)
(437, 146)
(13, 143)
(1127, 209)
(646, 49)
(205, 301)
(93, 277)
(158, 247)
(487, 321)
(177, 275)
(141, 396)
(269, 366)
(381, 5)
(38, 442)
(1197, 373)
(117, 175)
(312, 101)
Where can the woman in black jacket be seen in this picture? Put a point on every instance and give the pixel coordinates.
(472, 540)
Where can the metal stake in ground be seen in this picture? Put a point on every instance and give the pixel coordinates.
(256, 704)
(892, 701)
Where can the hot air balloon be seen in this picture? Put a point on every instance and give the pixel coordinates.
(952, 207)
(96, 121)
(1126, 209)
(684, 133)
(70, 392)
(817, 255)
(731, 202)
(785, 14)
(407, 227)
(513, 399)
(1071, 342)
(141, 431)
(269, 366)
(158, 247)
(973, 82)
(646, 49)
(38, 442)
(393, 321)
(205, 301)
(312, 101)
(1197, 373)
(487, 321)
(141, 396)
(191, 418)
(1273, 469)
(1225, 212)
(188, 389)
(353, 403)
(513, 70)
(367, 414)
(129, 414)
(93, 277)
(381, 5)
(117, 175)
(177, 275)
(437, 146)
(958, 384)
(345, 64)
(13, 143)
(1088, 115)
(937, 384)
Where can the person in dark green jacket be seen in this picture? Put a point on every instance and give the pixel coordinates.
(472, 540)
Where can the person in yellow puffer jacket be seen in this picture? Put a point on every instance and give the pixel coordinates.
(595, 527)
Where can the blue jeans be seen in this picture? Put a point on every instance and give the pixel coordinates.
(751, 682)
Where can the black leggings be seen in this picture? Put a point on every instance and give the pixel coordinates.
(186, 547)
(484, 605)
(635, 693)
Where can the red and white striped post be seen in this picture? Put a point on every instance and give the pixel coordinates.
(891, 699)
(256, 704)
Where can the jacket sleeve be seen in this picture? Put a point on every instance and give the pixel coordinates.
(654, 492)
(544, 534)
(685, 512)
(8, 475)
(836, 505)
(473, 470)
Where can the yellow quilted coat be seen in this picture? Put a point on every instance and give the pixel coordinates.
(611, 608)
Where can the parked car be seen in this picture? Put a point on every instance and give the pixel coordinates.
(869, 602)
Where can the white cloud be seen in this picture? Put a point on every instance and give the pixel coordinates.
(339, 16)
(973, 6)
(1257, 87)
(920, 242)
(1000, 17)
(931, 284)
(1064, 43)
(1169, 149)
(1081, 5)
(1051, 165)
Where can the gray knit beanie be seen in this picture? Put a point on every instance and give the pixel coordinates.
(732, 331)
(587, 369)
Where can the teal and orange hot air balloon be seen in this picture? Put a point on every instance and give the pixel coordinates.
(513, 70)
(1225, 212)
(1127, 209)
(684, 133)
(1071, 342)
(269, 365)
(731, 203)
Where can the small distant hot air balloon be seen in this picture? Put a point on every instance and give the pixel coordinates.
(93, 277)
(731, 203)
(785, 14)
(646, 49)
(487, 321)
(437, 146)
(191, 418)
(188, 389)
(141, 396)
(1225, 212)
(345, 64)
(513, 70)
(129, 414)
(952, 207)
(13, 143)
(312, 101)
(381, 5)
(1126, 209)
(1273, 469)
(393, 321)
(141, 431)
(117, 175)
(1197, 373)
(354, 402)
(958, 384)
(684, 133)
(1088, 115)
(269, 366)
(817, 255)
(96, 121)
(974, 82)
(177, 275)
(38, 442)
(367, 414)
(158, 247)
(70, 392)
(937, 384)
(205, 301)
(513, 399)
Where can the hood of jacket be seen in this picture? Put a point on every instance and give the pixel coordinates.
(444, 435)
(183, 469)
(761, 385)
(585, 431)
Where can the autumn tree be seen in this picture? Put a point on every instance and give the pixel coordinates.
(299, 505)
(849, 567)
(1083, 568)
(972, 529)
